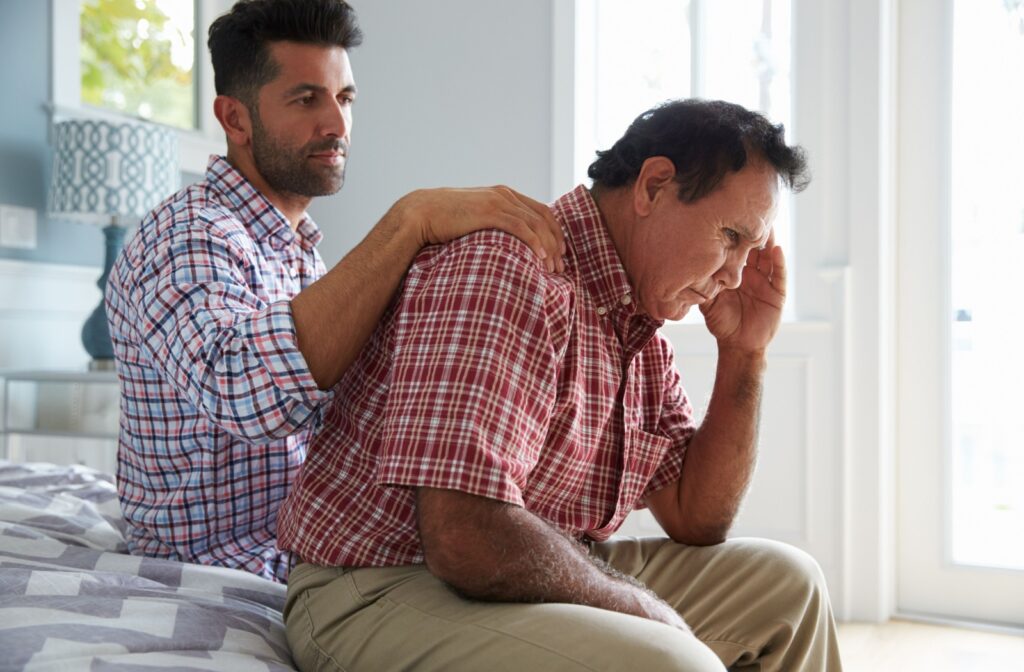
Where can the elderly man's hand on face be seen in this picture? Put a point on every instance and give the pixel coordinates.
(746, 318)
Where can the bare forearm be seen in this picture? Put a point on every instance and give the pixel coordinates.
(498, 552)
(721, 456)
(335, 316)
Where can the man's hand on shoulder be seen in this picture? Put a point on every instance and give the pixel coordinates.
(441, 215)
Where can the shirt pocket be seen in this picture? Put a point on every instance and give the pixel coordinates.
(642, 454)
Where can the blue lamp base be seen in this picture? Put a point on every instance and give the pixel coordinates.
(96, 333)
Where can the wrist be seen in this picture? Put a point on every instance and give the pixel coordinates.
(405, 223)
(741, 354)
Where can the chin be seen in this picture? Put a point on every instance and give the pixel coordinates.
(679, 313)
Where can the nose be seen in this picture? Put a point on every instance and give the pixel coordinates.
(336, 120)
(730, 274)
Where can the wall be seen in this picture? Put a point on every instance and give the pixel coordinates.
(451, 93)
(25, 157)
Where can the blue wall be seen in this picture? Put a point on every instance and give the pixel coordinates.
(439, 105)
(25, 156)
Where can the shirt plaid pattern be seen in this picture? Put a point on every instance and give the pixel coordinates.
(217, 402)
(492, 377)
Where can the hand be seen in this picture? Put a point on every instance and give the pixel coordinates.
(746, 318)
(445, 214)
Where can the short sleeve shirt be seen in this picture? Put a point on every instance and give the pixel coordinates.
(492, 377)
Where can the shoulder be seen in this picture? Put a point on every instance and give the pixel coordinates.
(193, 225)
(492, 261)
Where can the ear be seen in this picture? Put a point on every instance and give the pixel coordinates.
(234, 118)
(656, 173)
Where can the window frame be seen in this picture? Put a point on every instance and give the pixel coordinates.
(194, 146)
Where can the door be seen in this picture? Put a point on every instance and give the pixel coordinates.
(961, 310)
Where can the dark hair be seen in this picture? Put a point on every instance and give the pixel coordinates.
(706, 140)
(239, 40)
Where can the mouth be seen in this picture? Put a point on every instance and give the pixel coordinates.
(703, 297)
(330, 158)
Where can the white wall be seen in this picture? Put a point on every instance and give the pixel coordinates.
(451, 93)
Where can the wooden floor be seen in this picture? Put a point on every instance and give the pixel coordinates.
(904, 647)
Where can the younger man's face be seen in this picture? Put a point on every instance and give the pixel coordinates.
(303, 120)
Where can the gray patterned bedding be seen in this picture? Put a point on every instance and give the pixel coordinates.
(71, 598)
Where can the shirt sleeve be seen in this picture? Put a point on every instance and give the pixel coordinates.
(473, 380)
(233, 355)
(676, 422)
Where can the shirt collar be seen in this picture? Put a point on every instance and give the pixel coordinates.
(260, 217)
(597, 261)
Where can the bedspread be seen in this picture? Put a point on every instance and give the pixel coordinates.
(72, 598)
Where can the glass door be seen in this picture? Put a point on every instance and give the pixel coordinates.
(961, 310)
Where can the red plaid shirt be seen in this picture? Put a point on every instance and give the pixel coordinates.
(492, 377)
(217, 402)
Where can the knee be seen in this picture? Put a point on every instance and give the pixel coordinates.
(673, 651)
(794, 572)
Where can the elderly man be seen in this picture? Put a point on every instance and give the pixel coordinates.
(455, 512)
(227, 332)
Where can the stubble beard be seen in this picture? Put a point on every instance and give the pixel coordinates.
(291, 170)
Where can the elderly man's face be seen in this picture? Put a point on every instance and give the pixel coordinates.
(687, 253)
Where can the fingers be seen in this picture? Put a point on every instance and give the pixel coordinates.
(445, 214)
(538, 218)
(764, 255)
(777, 279)
(516, 225)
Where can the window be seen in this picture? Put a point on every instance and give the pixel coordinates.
(137, 58)
(987, 241)
(961, 236)
(132, 61)
(629, 56)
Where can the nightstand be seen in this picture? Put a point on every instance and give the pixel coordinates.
(64, 417)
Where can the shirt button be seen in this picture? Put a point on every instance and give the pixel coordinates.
(602, 311)
(626, 300)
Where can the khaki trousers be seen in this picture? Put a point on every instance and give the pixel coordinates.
(752, 604)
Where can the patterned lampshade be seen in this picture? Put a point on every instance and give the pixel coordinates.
(104, 172)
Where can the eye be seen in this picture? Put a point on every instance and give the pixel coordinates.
(732, 235)
(348, 99)
(305, 101)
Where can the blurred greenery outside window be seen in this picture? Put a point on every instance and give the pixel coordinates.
(137, 58)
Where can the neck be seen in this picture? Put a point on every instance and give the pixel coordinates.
(616, 213)
(292, 206)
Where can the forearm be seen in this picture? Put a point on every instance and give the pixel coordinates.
(492, 551)
(721, 455)
(236, 362)
(335, 316)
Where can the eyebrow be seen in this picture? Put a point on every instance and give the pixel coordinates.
(316, 88)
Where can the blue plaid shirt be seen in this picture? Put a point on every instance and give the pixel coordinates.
(217, 402)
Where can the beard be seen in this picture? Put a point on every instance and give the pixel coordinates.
(291, 170)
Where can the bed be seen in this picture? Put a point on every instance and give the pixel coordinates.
(71, 597)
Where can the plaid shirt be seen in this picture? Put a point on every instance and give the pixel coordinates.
(217, 402)
(492, 377)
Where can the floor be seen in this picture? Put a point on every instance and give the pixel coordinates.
(904, 647)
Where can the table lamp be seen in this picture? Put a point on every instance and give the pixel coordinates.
(109, 174)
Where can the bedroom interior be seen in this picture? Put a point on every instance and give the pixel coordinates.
(875, 431)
